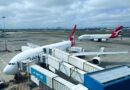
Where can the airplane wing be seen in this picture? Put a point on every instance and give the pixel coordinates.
(31, 45)
(24, 48)
(97, 53)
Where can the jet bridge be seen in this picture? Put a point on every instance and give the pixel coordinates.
(109, 79)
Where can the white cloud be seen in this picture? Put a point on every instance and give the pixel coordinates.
(65, 13)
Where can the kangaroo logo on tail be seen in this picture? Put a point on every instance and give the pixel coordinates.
(72, 36)
(116, 32)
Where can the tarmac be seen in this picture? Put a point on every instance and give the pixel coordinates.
(17, 39)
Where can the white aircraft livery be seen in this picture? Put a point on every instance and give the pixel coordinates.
(12, 67)
(101, 37)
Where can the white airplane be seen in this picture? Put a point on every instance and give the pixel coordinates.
(32, 52)
(101, 37)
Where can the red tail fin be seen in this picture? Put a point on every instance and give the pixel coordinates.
(116, 32)
(72, 36)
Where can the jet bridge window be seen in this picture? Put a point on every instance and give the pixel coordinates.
(50, 51)
(44, 50)
(18, 64)
(43, 59)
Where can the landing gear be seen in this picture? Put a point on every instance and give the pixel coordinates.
(99, 40)
(18, 76)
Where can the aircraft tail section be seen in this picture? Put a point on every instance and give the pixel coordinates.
(72, 36)
(116, 32)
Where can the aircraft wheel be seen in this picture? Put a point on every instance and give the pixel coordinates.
(17, 76)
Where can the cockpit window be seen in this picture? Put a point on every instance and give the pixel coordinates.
(12, 63)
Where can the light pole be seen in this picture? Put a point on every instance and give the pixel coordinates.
(6, 49)
(3, 23)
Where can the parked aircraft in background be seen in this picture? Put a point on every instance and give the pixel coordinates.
(101, 37)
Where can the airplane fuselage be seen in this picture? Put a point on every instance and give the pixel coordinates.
(32, 54)
(95, 37)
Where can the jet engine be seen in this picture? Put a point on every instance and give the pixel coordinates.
(96, 60)
(95, 40)
(104, 39)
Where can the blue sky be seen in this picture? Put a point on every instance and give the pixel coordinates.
(64, 13)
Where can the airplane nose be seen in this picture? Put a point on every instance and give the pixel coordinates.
(11, 70)
(8, 70)
(5, 70)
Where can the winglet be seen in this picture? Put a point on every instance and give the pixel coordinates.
(102, 49)
(116, 32)
(72, 36)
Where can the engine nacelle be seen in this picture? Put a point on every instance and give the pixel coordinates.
(96, 60)
(104, 39)
(100, 40)
(95, 40)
